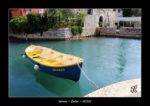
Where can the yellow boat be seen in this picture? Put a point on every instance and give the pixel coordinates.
(54, 62)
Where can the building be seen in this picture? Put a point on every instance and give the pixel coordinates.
(129, 21)
(118, 12)
(96, 17)
(107, 18)
(24, 11)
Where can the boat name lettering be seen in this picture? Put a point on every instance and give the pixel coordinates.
(59, 69)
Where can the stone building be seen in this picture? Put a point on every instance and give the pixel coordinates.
(107, 18)
(129, 22)
(118, 12)
(24, 11)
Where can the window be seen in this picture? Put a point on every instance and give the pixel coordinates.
(41, 11)
(90, 11)
(119, 10)
(114, 9)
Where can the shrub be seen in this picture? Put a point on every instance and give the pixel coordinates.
(64, 24)
(76, 30)
(53, 18)
(79, 22)
(64, 18)
(18, 24)
(80, 29)
(33, 24)
(72, 23)
(36, 23)
(44, 26)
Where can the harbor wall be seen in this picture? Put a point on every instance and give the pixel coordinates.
(51, 34)
(128, 32)
(91, 22)
(65, 34)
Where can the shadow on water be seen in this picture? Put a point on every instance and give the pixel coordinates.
(121, 60)
(122, 56)
(59, 86)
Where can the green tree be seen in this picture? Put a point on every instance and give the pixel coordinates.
(136, 11)
(128, 12)
(66, 13)
(59, 17)
(18, 24)
(33, 24)
(55, 17)
(76, 30)
(36, 23)
(44, 26)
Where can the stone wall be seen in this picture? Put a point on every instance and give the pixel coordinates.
(51, 34)
(60, 33)
(133, 31)
(89, 25)
(54, 33)
(91, 21)
(108, 15)
(122, 32)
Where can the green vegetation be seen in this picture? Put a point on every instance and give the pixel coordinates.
(36, 23)
(33, 22)
(52, 18)
(18, 24)
(76, 30)
(128, 12)
(62, 18)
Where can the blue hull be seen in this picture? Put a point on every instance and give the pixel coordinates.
(70, 72)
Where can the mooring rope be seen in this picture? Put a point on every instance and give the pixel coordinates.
(87, 77)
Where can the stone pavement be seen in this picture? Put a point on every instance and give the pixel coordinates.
(128, 88)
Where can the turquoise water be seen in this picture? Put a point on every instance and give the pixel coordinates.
(106, 61)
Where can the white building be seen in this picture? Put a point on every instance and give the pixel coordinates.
(129, 21)
(107, 18)
(118, 12)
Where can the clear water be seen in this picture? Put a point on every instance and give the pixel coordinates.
(106, 61)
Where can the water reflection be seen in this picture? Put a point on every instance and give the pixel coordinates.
(59, 86)
(122, 56)
(106, 61)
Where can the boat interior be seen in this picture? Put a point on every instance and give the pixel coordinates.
(51, 57)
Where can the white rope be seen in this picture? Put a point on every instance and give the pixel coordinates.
(87, 77)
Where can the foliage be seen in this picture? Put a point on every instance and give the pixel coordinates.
(36, 23)
(76, 30)
(79, 29)
(18, 24)
(67, 13)
(44, 26)
(128, 12)
(33, 24)
(137, 12)
(64, 18)
(52, 18)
